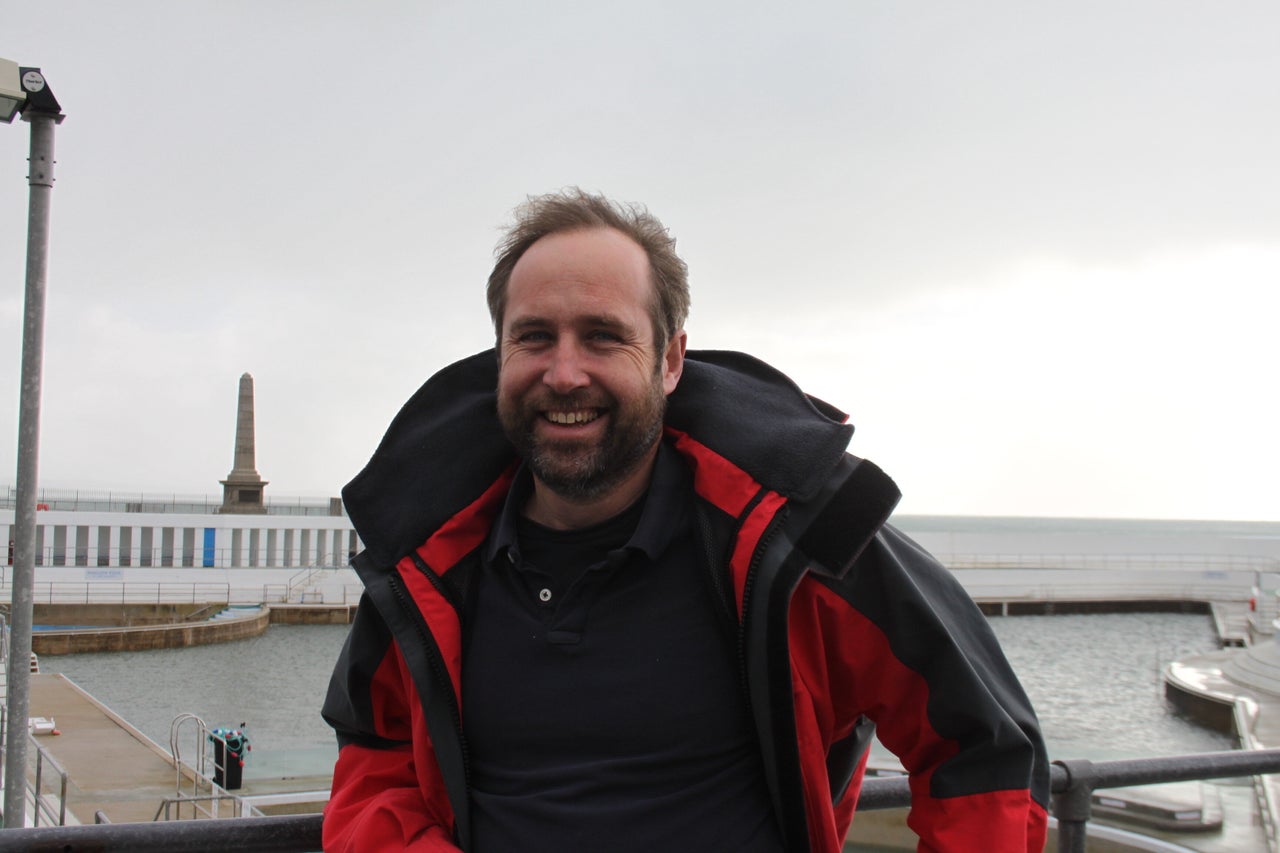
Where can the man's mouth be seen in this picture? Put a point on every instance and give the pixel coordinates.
(577, 416)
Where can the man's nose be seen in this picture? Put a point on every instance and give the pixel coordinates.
(566, 371)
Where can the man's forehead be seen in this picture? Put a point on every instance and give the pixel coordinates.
(600, 247)
(600, 272)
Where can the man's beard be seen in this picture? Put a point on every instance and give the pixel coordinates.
(581, 469)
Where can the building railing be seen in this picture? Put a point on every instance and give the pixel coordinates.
(999, 585)
(1072, 783)
(87, 500)
(1111, 561)
(138, 592)
(1156, 577)
(124, 592)
(131, 592)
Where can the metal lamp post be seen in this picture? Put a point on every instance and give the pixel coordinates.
(32, 98)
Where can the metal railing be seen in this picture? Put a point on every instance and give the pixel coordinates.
(89, 500)
(1074, 781)
(136, 592)
(1268, 809)
(1072, 784)
(52, 808)
(298, 586)
(277, 834)
(1073, 796)
(203, 807)
(1111, 560)
(54, 812)
(196, 795)
(1122, 582)
(128, 592)
(278, 593)
(304, 577)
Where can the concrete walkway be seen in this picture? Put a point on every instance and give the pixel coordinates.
(114, 768)
(1236, 690)
(110, 765)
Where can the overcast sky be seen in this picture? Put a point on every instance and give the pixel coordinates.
(1033, 249)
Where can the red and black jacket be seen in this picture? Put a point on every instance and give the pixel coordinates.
(845, 627)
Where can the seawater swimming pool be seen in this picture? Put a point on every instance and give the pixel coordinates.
(1094, 679)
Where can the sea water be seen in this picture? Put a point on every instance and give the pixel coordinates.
(1095, 681)
(273, 684)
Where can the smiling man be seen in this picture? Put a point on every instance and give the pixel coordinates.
(584, 373)
(620, 597)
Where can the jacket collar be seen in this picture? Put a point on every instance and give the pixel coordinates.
(446, 447)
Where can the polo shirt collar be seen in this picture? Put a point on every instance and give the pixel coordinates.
(664, 504)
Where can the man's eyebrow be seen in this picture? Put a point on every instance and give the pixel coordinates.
(607, 321)
(528, 323)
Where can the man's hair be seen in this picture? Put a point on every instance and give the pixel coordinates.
(575, 210)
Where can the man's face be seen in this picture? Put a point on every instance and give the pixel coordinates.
(581, 386)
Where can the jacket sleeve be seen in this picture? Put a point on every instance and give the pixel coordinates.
(898, 641)
(387, 790)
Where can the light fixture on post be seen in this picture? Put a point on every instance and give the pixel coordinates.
(11, 94)
(35, 101)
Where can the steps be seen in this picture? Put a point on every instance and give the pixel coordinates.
(236, 611)
(1257, 667)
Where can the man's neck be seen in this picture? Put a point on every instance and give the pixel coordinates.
(558, 512)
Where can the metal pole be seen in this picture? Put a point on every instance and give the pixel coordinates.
(1073, 805)
(40, 178)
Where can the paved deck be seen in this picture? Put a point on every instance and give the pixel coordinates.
(113, 767)
(1235, 689)
(110, 765)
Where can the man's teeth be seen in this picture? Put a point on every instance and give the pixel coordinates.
(572, 417)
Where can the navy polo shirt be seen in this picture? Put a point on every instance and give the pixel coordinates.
(601, 700)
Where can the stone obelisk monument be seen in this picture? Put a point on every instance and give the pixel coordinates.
(242, 490)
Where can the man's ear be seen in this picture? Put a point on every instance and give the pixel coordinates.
(673, 362)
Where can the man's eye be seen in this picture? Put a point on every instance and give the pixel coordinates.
(534, 337)
(604, 337)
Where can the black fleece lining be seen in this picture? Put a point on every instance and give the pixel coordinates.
(844, 755)
(850, 518)
(752, 414)
(348, 704)
(445, 442)
(370, 741)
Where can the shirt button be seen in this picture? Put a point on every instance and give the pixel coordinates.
(544, 594)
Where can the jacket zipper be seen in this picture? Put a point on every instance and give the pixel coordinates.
(749, 582)
(748, 589)
(438, 671)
